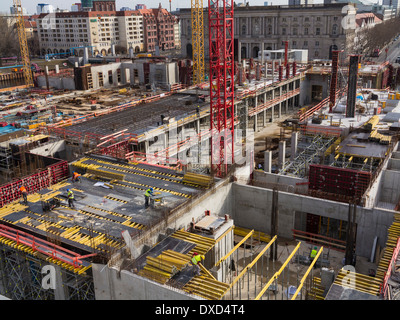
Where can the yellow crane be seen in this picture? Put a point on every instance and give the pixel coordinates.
(23, 44)
(197, 41)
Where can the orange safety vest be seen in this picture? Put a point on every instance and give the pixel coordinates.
(76, 175)
(22, 189)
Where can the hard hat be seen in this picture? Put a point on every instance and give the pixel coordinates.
(67, 190)
(203, 257)
(151, 189)
(315, 248)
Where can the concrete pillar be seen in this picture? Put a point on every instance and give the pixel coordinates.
(85, 56)
(255, 123)
(281, 157)
(267, 161)
(279, 110)
(76, 64)
(293, 145)
(265, 118)
(113, 49)
(239, 51)
(60, 291)
(57, 68)
(130, 52)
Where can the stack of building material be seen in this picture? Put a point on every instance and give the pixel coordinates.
(203, 244)
(197, 179)
(371, 123)
(257, 235)
(164, 266)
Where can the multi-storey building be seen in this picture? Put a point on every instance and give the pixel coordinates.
(317, 28)
(97, 30)
(177, 33)
(159, 29)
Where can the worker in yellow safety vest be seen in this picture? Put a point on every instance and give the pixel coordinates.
(196, 259)
(147, 194)
(313, 255)
(70, 196)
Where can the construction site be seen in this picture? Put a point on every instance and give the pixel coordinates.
(283, 175)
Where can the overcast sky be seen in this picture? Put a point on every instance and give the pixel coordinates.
(30, 5)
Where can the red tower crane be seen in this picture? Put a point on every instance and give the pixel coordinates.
(221, 44)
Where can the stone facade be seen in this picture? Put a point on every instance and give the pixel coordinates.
(317, 28)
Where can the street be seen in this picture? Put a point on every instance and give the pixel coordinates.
(392, 54)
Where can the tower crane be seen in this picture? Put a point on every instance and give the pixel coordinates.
(197, 40)
(23, 44)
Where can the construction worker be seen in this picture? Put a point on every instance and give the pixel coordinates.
(147, 194)
(198, 111)
(70, 196)
(196, 259)
(313, 255)
(24, 193)
(75, 177)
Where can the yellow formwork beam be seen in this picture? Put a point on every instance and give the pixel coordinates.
(208, 273)
(234, 248)
(307, 273)
(276, 275)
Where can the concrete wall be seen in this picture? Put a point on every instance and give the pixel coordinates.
(252, 209)
(109, 284)
(306, 87)
(390, 190)
(284, 183)
(57, 82)
(49, 150)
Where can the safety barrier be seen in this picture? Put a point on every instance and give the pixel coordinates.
(35, 182)
(384, 289)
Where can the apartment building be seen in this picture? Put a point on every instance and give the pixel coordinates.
(94, 29)
(159, 29)
(317, 28)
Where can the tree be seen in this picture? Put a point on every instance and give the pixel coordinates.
(9, 44)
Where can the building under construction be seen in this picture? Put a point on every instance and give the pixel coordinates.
(318, 206)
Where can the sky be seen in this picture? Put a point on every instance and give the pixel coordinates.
(30, 5)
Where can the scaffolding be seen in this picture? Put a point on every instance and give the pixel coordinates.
(21, 278)
(316, 146)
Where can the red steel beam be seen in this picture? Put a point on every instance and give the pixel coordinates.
(221, 43)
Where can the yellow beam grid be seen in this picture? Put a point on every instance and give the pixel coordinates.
(258, 235)
(197, 40)
(276, 275)
(23, 44)
(391, 242)
(129, 169)
(357, 281)
(98, 242)
(30, 251)
(251, 264)
(235, 248)
(333, 147)
(307, 273)
(203, 244)
(317, 290)
(206, 287)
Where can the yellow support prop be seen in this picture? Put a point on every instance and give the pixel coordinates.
(276, 275)
(306, 274)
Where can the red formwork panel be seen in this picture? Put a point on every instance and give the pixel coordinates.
(34, 183)
(338, 184)
(117, 150)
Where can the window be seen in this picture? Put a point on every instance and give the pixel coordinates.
(334, 29)
(269, 30)
(317, 43)
(306, 31)
(306, 43)
(306, 19)
(283, 31)
(318, 18)
(294, 43)
(295, 31)
(318, 31)
(243, 29)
